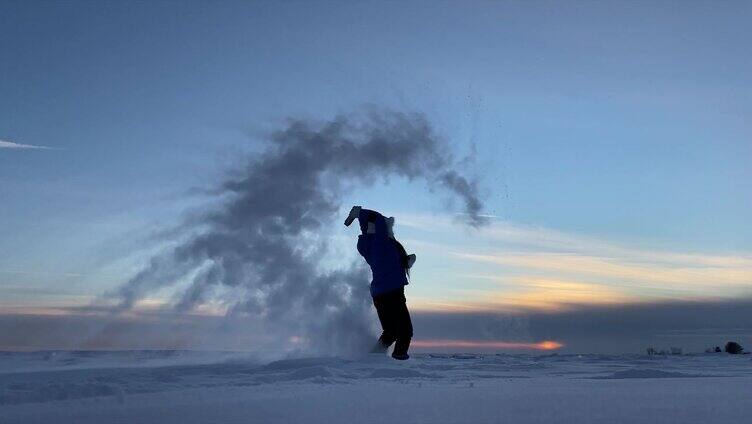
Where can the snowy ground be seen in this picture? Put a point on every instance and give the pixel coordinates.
(191, 387)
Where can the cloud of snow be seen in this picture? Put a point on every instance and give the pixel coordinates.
(257, 252)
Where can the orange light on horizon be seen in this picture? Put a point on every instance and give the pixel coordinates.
(486, 344)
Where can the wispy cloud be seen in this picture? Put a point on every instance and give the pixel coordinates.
(517, 267)
(529, 293)
(10, 145)
(486, 344)
(621, 269)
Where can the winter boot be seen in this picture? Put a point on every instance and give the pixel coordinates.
(400, 349)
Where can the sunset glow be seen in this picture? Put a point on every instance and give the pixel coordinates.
(487, 344)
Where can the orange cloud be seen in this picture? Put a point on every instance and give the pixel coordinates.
(543, 269)
(620, 269)
(487, 344)
(519, 294)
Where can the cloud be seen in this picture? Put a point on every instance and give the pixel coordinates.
(693, 325)
(542, 239)
(611, 268)
(617, 328)
(531, 293)
(614, 328)
(257, 251)
(82, 328)
(11, 145)
(538, 268)
(484, 345)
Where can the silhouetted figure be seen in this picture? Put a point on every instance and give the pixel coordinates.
(390, 266)
(734, 348)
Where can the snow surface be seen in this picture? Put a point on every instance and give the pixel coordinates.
(208, 387)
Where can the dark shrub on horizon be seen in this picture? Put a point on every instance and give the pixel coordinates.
(734, 348)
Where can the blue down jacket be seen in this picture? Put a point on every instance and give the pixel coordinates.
(381, 253)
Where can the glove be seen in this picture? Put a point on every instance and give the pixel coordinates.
(354, 212)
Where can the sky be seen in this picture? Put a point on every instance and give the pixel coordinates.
(611, 142)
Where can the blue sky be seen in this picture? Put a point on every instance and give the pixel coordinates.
(620, 130)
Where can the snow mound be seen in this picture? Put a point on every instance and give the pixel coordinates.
(293, 364)
(25, 393)
(648, 373)
(397, 373)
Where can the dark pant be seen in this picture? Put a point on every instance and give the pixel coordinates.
(395, 320)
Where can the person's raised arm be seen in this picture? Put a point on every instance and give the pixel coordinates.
(354, 213)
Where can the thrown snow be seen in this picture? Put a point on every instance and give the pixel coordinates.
(201, 387)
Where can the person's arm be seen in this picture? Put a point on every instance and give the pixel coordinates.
(372, 222)
(364, 245)
(354, 213)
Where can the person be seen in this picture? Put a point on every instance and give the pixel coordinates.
(390, 267)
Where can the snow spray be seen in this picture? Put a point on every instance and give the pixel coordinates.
(257, 249)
